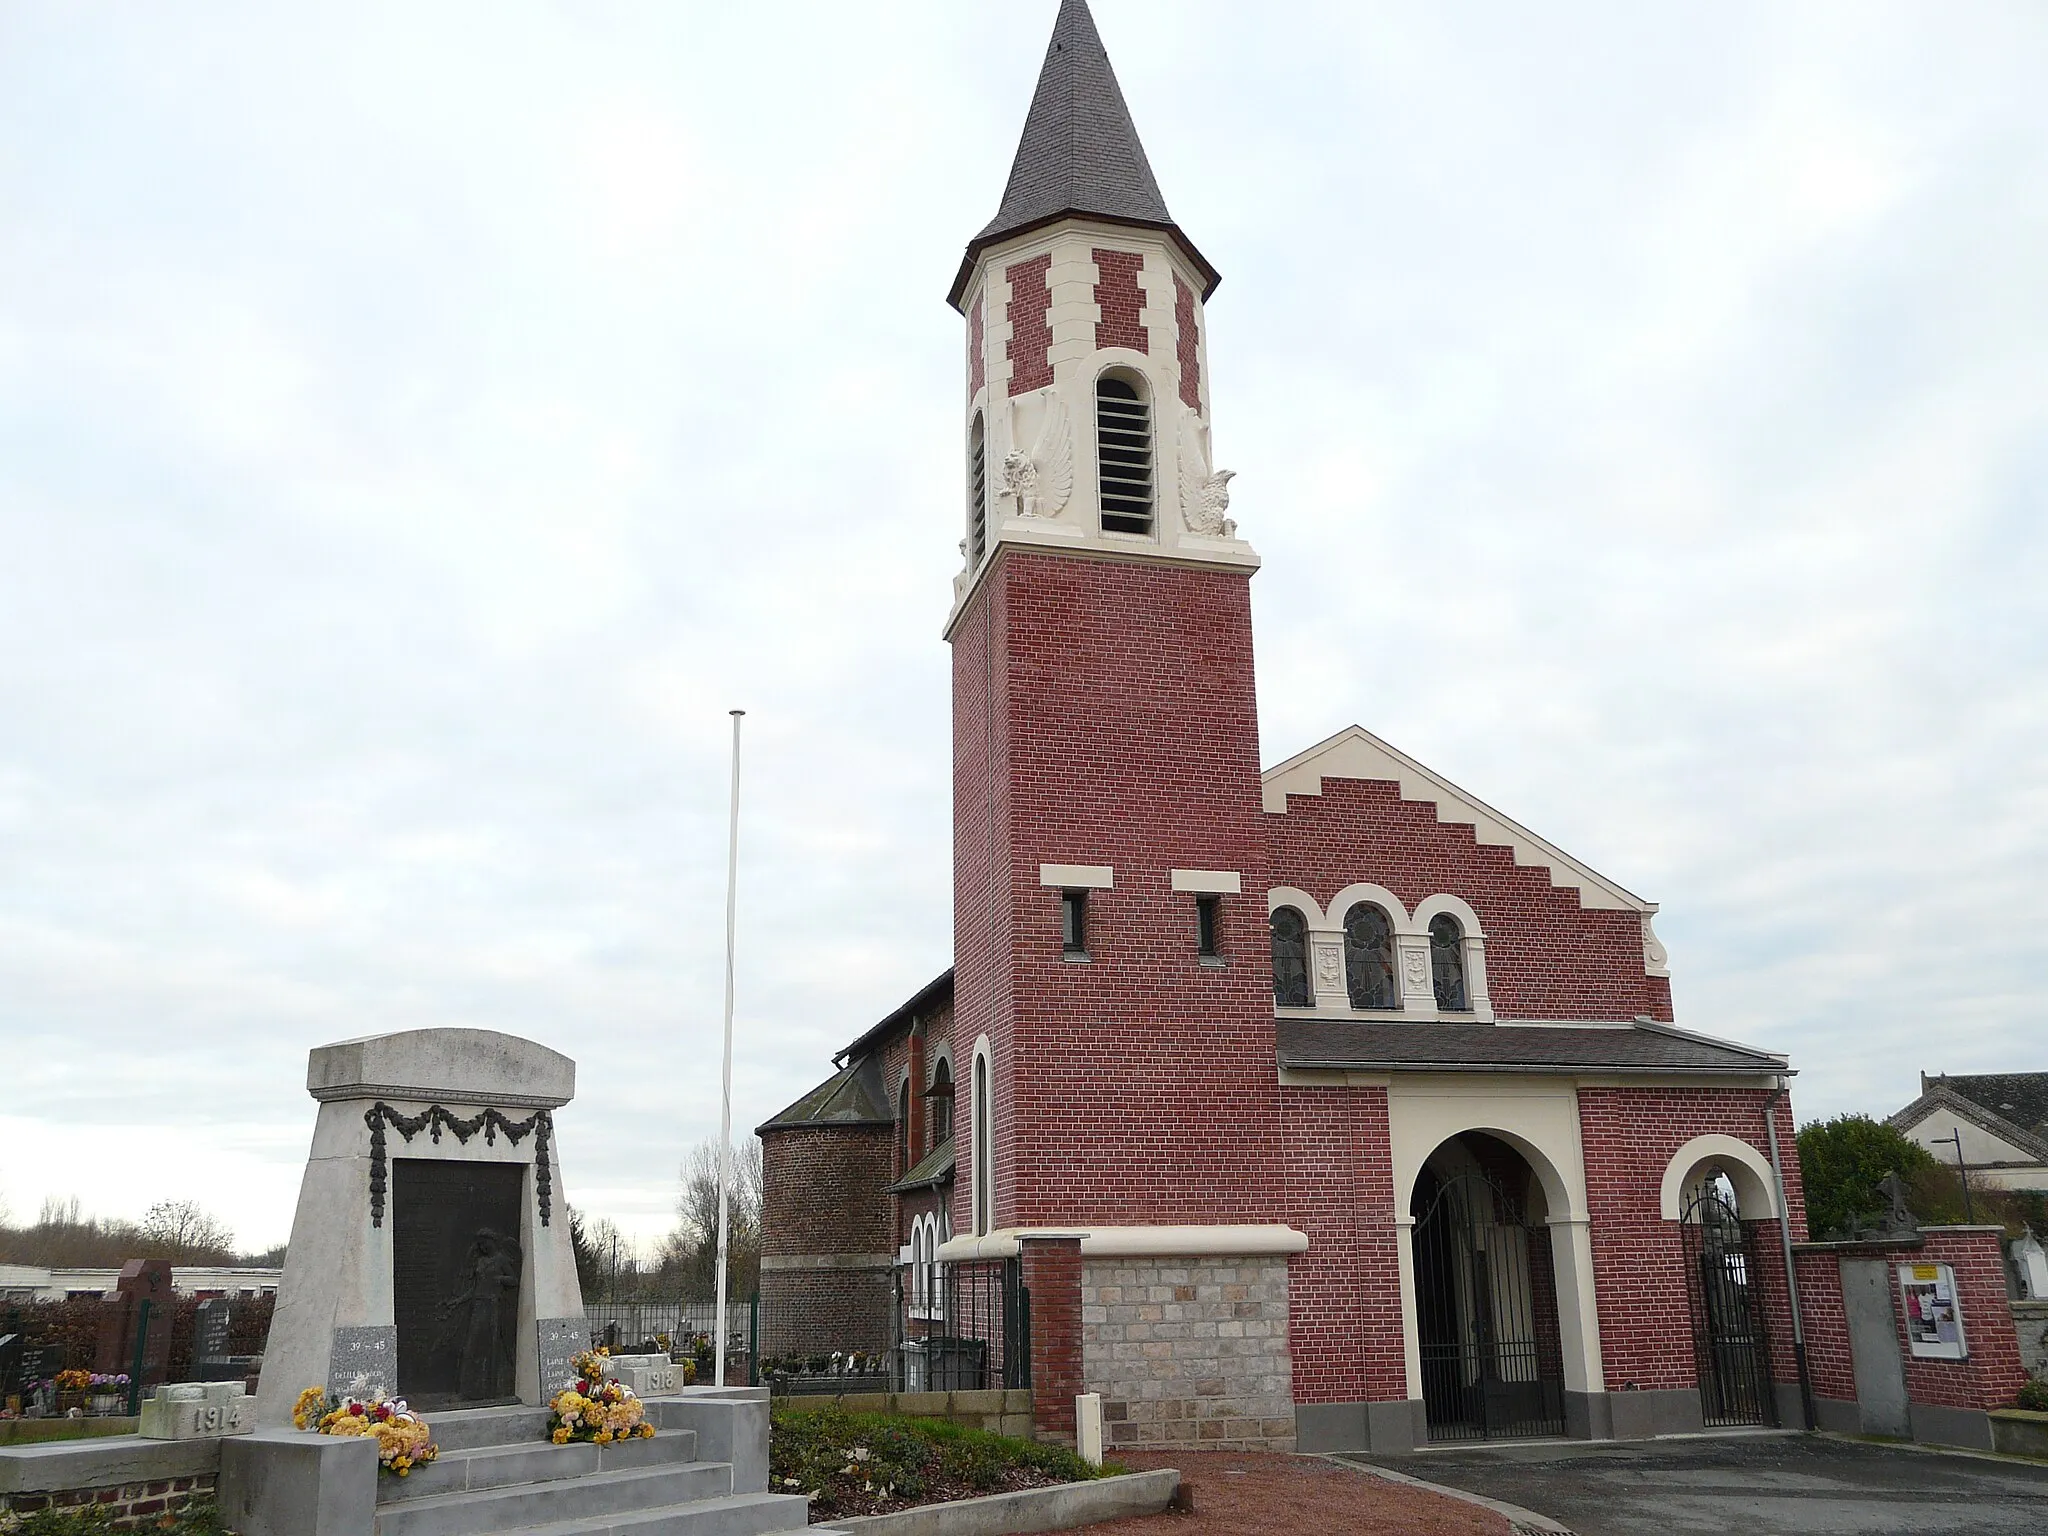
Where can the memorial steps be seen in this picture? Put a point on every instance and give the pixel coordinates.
(497, 1472)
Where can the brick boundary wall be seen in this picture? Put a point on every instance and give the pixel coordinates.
(130, 1506)
(1121, 300)
(1992, 1374)
(1052, 1273)
(1189, 1353)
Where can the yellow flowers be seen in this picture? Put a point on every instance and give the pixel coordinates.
(596, 1410)
(310, 1408)
(560, 1437)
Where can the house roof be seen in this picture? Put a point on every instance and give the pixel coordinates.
(1079, 152)
(934, 1168)
(934, 994)
(1343, 1044)
(2012, 1106)
(853, 1095)
(1355, 753)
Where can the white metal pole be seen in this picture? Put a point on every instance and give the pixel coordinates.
(732, 877)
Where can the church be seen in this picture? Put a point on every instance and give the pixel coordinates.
(1316, 1106)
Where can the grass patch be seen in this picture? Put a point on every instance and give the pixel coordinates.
(201, 1519)
(874, 1463)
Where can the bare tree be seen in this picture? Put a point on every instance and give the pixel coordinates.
(185, 1230)
(692, 1248)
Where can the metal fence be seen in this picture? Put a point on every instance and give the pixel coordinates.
(631, 1322)
(930, 1328)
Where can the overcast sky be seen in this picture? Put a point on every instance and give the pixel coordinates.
(420, 424)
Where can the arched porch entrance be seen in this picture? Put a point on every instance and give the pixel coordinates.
(1486, 1295)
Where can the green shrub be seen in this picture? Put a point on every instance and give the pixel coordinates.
(841, 1458)
(2033, 1397)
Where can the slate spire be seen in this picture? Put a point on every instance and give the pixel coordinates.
(1080, 152)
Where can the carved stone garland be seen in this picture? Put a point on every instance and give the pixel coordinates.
(436, 1119)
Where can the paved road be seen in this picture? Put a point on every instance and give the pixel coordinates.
(1753, 1485)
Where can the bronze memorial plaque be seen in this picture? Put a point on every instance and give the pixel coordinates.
(455, 1271)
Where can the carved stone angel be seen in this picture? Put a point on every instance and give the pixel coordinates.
(1041, 481)
(1204, 496)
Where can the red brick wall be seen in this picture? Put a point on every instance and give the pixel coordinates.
(1030, 309)
(126, 1506)
(1137, 1087)
(1992, 1374)
(1188, 343)
(1546, 956)
(1052, 1273)
(822, 1190)
(1120, 299)
(1630, 1136)
(1344, 1294)
(1825, 1314)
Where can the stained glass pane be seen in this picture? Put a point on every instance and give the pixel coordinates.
(1290, 959)
(1447, 962)
(1369, 957)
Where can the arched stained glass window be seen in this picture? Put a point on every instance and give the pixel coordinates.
(1447, 962)
(1369, 957)
(941, 1096)
(1290, 959)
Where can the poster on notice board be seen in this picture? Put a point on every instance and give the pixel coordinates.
(1934, 1317)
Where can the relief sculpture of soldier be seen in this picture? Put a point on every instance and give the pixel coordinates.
(482, 1319)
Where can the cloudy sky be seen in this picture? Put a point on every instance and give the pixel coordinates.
(419, 425)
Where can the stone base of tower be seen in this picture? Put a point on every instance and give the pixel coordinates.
(1189, 1353)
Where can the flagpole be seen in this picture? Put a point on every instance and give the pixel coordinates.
(732, 875)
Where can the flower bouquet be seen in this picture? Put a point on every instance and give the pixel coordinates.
(595, 1410)
(109, 1393)
(403, 1439)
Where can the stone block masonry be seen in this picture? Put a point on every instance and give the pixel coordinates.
(1189, 1353)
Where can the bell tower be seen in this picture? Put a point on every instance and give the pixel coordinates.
(1110, 931)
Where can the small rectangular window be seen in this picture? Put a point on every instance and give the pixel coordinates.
(1206, 908)
(1074, 922)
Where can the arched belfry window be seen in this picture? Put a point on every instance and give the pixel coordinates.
(1447, 962)
(1290, 959)
(1369, 957)
(1123, 446)
(977, 492)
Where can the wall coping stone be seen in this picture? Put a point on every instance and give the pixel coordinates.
(1033, 1509)
(103, 1463)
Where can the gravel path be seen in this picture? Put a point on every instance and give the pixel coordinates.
(1247, 1494)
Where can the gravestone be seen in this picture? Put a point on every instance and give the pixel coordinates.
(197, 1411)
(210, 1332)
(144, 1283)
(429, 1257)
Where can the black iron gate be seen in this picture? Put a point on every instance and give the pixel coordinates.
(1486, 1312)
(1729, 1347)
(963, 1327)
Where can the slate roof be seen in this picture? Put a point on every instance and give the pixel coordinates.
(2020, 1097)
(1350, 1044)
(935, 1167)
(1079, 152)
(928, 998)
(2012, 1106)
(851, 1096)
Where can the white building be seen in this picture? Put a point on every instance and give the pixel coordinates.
(38, 1282)
(2002, 1118)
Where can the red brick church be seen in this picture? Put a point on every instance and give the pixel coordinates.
(1323, 1105)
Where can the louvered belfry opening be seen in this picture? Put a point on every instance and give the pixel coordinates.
(1123, 442)
(977, 492)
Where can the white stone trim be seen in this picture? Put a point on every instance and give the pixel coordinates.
(1278, 896)
(1136, 1242)
(1077, 877)
(1373, 895)
(1208, 882)
(1755, 1185)
(1355, 753)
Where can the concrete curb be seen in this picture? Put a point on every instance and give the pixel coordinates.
(1521, 1522)
(1033, 1509)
